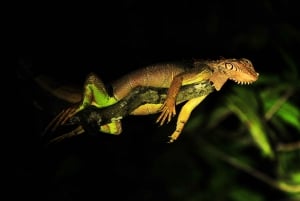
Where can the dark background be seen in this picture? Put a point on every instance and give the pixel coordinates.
(112, 39)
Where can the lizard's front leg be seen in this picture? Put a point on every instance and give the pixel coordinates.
(188, 77)
(168, 108)
(184, 115)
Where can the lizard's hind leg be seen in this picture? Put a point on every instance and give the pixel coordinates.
(184, 115)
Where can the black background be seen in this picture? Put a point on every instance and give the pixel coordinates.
(112, 39)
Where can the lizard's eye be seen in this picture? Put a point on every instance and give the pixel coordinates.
(247, 61)
(230, 66)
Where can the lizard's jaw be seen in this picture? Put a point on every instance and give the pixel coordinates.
(243, 82)
(245, 79)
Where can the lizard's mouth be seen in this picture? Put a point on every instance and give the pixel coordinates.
(242, 82)
(245, 79)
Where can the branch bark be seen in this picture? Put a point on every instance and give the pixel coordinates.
(90, 118)
(138, 97)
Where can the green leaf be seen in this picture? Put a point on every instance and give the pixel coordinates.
(278, 105)
(290, 114)
(243, 104)
(218, 115)
(295, 177)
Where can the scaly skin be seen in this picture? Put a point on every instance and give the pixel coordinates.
(169, 76)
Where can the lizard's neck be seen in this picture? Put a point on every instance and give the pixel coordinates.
(218, 79)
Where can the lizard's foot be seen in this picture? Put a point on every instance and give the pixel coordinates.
(61, 119)
(167, 112)
(174, 136)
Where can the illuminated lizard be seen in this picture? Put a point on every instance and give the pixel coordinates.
(171, 76)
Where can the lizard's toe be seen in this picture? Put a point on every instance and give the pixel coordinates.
(162, 117)
(166, 115)
(172, 139)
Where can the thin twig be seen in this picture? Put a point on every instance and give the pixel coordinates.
(288, 146)
(276, 106)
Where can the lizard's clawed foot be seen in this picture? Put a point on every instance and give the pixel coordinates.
(174, 136)
(62, 118)
(167, 112)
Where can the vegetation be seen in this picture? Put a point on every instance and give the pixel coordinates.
(240, 144)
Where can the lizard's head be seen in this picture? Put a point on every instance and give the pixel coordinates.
(239, 70)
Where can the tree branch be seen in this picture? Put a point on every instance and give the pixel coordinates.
(138, 97)
(90, 118)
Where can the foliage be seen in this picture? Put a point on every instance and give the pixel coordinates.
(263, 117)
(240, 144)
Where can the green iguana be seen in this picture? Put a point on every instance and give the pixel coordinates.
(170, 76)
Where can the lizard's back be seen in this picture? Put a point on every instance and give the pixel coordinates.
(159, 75)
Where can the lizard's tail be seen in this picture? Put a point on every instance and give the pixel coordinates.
(50, 98)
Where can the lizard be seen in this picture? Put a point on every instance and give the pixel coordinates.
(168, 75)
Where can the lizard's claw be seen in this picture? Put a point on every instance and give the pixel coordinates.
(174, 136)
(61, 119)
(167, 112)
